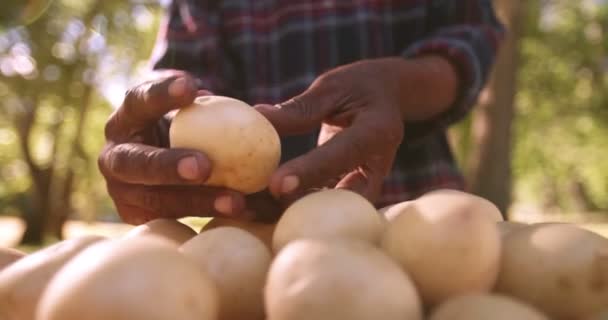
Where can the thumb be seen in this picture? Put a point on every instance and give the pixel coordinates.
(301, 114)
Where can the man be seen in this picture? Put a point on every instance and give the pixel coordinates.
(382, 79)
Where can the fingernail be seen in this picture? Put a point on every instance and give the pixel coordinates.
(223, 204)
(188, 169)
(289, 184)
(178, 87)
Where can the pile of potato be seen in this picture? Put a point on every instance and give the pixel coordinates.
(444, 256)
(332, 256)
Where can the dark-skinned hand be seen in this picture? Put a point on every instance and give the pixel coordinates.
(360, 109)
(357, 108)
(148, 180)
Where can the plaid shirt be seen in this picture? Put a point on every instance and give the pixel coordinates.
(267, 51)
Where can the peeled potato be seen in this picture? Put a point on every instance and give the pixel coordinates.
(22, 283)
(262, 231)
(559, 268)
(338, 279)
(168, 228)
(485, 307)
(446, 251)
(142, 278)
(329, 213)
(242, 144)
(237, 262)
(9, 256)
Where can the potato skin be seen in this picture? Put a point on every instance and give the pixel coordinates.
(237, 262)
(332, 213)
(168, 228)
(485, 307)
(23, 282)
(137, 278)
(338, 279)
(261, 231)
(506, 227)
(243, 146)
(9, 256)
(446, 251)
(559, 268)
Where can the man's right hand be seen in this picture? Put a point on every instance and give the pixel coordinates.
(145, 178)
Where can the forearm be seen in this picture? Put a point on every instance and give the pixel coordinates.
(424, 87)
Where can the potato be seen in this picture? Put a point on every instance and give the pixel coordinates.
(446, 249)
(243, 146)
(559, 268)
(22, 283)
(338, 279)
(168, 228)
(448, 199)
(262, 231)
(9, 256)
(485, 307)
(142, 278)
(329, 213)
(506, 227)
(392, 211)
(237, 262)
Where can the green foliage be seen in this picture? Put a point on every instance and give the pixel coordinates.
(58, 63)
(562, 123)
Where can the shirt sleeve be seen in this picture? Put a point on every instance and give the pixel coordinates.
(188, 41)
(468, 34)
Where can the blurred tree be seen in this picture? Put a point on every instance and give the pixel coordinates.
(559, 116)
(55, 64)
(490, 162)
(562, 119)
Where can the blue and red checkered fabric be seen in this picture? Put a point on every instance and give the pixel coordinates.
(267, 51)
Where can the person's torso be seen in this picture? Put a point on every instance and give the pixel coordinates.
(267, 51)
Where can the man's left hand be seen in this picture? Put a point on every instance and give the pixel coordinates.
(357, 107)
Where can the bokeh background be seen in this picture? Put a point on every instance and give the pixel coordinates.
(536, 144)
